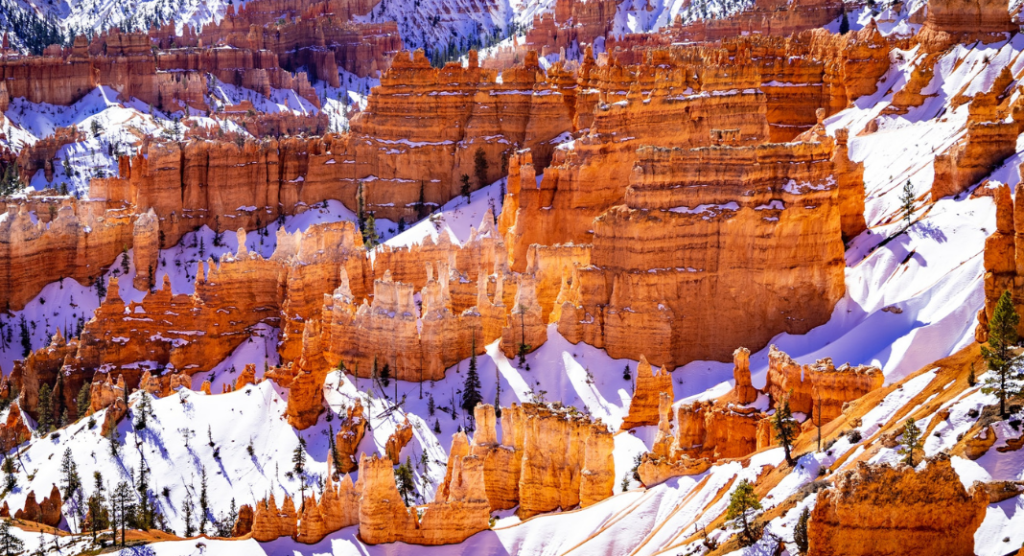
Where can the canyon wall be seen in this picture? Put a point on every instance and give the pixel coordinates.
(676, 241)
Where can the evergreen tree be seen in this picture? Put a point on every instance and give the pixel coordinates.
(405, 480)
(464, 187)
(10, 545)
(71, 482)
(907, 202)
(437, 426)
(10, 183)
(10, 479)
(844, 25)
(471, 389)
(98, 517)
(911, 441)
(1002, 336)
(82, 401)
(299, 458)
(626, 374)
(204, 503)
(800, 531)
(45, 409)
(385, 376)
(786, 428)
(145, 518)
(741, 502)
(101, 288)
(189, 510)
(125, 266)
(335, 454)
(480, 166)
(26, 340)
(114, 440)
(122, 508)
(421, 204)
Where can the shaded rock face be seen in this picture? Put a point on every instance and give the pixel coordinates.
(14, 431)
(47, 512)
(243, 524)
(819, 390)
(643, 409)
(880, 510)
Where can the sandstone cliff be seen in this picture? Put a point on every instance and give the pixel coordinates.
(878, 509)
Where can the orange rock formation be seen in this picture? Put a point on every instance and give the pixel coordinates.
(643, 409)
(896, 510)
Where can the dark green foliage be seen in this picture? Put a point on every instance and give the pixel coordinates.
(480, 166)
(471, 389)
(1002, 336)
(786, 428)
(405, 481)
(800, 531)
(911, 441)
(741, 503)
(464, 186)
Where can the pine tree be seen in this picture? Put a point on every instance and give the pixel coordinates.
(385, 375)
(480, 166)
(437, 426)
(844, 25)
(82, 401)
(1002, 336)
(10, 545)
(98, 517)
(145, 518)
(189, 510)
(299, 458)
(741, 502)
(114, 440)
(45, 409)
(471, 389)
(464, 187)
(786, 428)
(626, 374)
(122, 508)
(405, 480)
(125, 266)
(335, 454)
(26, 340)
(10, 479)
(204, 503)
(911, 441)
(421, 204)
(800, 531)
(907, 202)
(71, 482)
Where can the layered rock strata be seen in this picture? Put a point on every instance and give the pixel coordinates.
(819, 390)
(676, 243)
(547, 458)
(879, 509)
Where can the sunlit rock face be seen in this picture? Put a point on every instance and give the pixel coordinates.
(880, 509)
